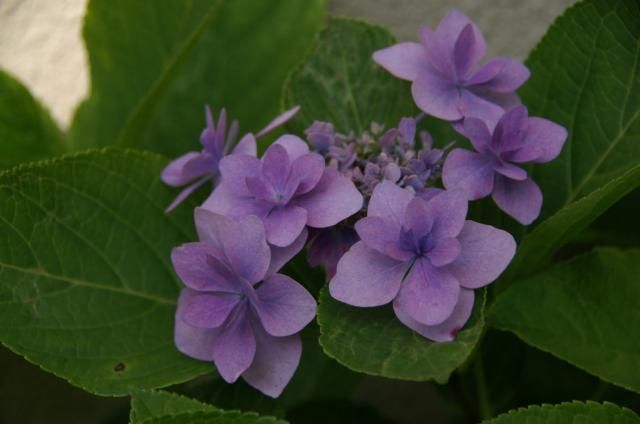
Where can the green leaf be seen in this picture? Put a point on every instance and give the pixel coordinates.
(374, 341)
(568, 413)
(87, 290)
(586, 76)
(539, 245)
(340, 83)
(212, 418)
(154, 65)
(583, 311)
(27, 132)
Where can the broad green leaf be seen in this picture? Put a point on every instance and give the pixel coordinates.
(568, 413)
(586, 76)
(154, 65)
(340, 82)
(539, 245)
(374, 341)
(212, 417)
(584, 311)
(151, 403)
(87, 290)
(27, 132)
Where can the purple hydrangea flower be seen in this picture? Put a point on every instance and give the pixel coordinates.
(424, 257)
(326, 247)
(202, 166)
(516, 139)
(288, 189)
(447, 82)
(236, 310)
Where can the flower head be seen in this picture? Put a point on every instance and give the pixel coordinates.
(236, 310)
(424, 257)
(197, 168)
(288, 189)
(516, 139)
(447, 81)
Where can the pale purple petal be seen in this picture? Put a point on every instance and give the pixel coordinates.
(501, 75)
(464, 55)
(448, 210)
(275, 166)
(478, 133)
(193, 341)
(438, 54)
(382, 236)
(246, 146)
(187, 167)
(389, 202)
(281, 255)
(306, 172)
(472, 105)
(485, 253)
(186, 192)
(508, 133)
(437, 96)
(225, 202)
(542, 142)
(284, 224)
(278, 121)
(444, 252)
(245, 246)
(520, 199)
(403, 60)
(235, 345)
(447, 330)
(199, 267)
(333, 199)
(366, 277)
(429, 294)
(450, 28)
(294, 145)
(209, 310)
(235, 170)
(275, 362)
(418, 217)
(470, 172)
(208, 225)
(284, 306)
(511, 171)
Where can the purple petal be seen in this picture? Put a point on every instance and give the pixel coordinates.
(221, 129)
(199, 267)
(284, 306)
(275, 166)
(327, 246)
(187, 167)
(208, 310)
(366, 277)
(389, 202)
(284, 224)
(333, 199)
(450, 29)
(448, 210)
(295, 146)
(306, 172)
(472, 105)
(508, 133)
(520, 199)
(186, 192)
(275, 362)
(464, 51)
(470, 172)
(511, 171)
(382, 236)
(439, 55)
(245, 246)
(192, 341)
(447, 330)
(418, 217)
(542, 142)
(485, 252)
(444, 252)
(235, 170)
(246, 146)
(437, 96)
(235, 345)
(404, 60)
(225, 202)
(478, 133)
(429, 294)
(208, 226)
(281, 255)
(501, 75)
(278, 121)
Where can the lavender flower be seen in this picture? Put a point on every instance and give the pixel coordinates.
(224, 316)
(216, 142)
(288, 189)
(517, 138)
(326, 246)
(447, 82)
(422, 256)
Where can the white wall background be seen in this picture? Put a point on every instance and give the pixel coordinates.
(40, 40)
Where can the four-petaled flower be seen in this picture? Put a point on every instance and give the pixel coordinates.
(516, 138)
(424, 257)
(216, 142)
(288, 189)
(236, 310)
(447, 82)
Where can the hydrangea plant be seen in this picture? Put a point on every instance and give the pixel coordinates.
(418, 217)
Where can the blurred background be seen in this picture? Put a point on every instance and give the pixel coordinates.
(41, 45)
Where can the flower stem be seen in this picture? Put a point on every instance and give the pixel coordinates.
(484, 403)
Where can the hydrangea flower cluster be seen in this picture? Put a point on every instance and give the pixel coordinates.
(385, 211)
